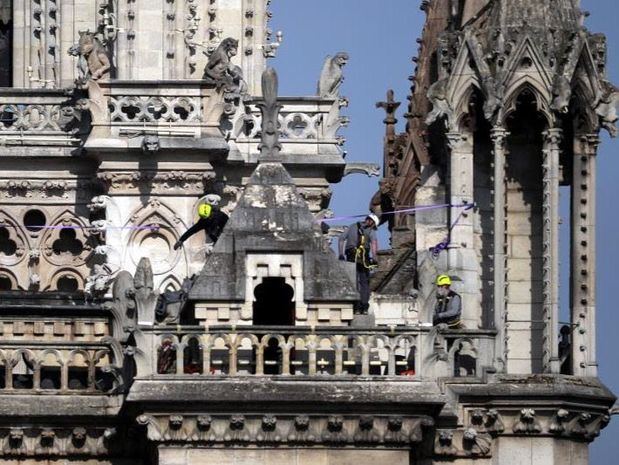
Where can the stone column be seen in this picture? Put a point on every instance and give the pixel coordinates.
(462, 259)
(583, 255)
(499, 137)
(550, 285)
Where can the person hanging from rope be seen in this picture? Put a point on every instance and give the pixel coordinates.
(358, 244)
(448, 304)
(212, 221)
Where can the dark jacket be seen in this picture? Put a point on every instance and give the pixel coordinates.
(213, 226)
(448, 309)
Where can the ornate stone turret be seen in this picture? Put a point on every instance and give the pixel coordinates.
(272, 234)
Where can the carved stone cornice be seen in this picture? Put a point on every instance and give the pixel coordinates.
(31, 441)
(168, 182)
(566, 423)
(286, 429)
(38, 189)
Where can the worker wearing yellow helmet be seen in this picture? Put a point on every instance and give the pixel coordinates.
(448, 307)
(210, 219)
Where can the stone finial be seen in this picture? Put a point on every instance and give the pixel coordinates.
(269, 145)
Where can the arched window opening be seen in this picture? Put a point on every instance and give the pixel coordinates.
(524, 226)
(166, 357)
(23, 372)
(274, 305)
(273, 357)
(77, 378)
(67, 283)
(483, 189)
(8, 246)
(5, 283)
(34, 220)
(50, 373)
(67, 243)
(192, 357)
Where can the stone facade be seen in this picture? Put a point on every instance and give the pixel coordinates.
(117, 347)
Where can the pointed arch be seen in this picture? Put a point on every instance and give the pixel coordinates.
(66, 246)
(11, 231)
(156, 242)
(542, 99)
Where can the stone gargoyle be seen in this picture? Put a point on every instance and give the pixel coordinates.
(93, 60)
(220, 69)
(332, 75)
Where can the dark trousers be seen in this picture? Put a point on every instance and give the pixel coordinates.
(363, 286)
(363, 283)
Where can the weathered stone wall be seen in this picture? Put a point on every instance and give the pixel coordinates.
(178, 456)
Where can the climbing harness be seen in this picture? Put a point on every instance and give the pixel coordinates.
(361, 253)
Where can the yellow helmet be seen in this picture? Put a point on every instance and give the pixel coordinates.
(443, 280)
(204, 210)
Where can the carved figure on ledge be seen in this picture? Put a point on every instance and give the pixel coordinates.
(332, 75)
(221, 70)
(93, 61)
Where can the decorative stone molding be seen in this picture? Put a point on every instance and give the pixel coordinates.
(462, 443)
(38, 189)
(560, 422)
(30, 441)
(292, 430)
(527, 423)
(171, 182)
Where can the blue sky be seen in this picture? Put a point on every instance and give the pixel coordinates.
(380, 37)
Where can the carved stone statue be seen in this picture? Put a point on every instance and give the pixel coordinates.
(221, 70)
(561, 92)
(438, 98)
(98, 283)
(332, 75)
(607, 108)
(93, 61)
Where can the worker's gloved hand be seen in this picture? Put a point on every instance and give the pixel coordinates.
(342, 257)
(373, 262)
(177, 245)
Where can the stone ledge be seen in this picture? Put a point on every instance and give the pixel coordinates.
(268, 394)
(59, 406)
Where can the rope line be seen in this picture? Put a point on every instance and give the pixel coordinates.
(154, 227)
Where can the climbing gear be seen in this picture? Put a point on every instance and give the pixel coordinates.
(362, 256)
(443, 280)
(444, 244)
(204, 210)
(374, 218)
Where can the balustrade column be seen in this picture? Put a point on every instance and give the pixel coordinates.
(499, 137)
(463, 261)
(550, 285)
(583, 258)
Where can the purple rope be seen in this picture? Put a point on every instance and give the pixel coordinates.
(397, 212)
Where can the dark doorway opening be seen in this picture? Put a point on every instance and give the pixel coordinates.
(274, 305)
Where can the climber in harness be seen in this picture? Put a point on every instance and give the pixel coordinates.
(448, 304)
(358, 244)
(212, 221)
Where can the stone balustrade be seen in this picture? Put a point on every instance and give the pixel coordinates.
(414, 352)
(300, 118)
(39, 117)
(128, 109)
(58, 367)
